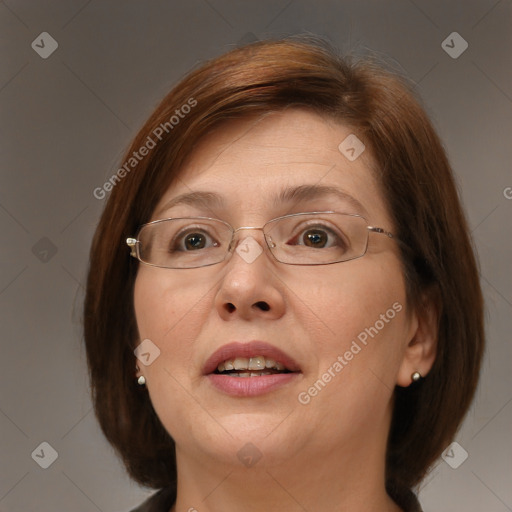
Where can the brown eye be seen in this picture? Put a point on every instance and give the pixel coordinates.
(192, 240)
(319, 237)
(195, 241)
(315, 238)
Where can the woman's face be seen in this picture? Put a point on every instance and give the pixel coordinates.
(343, 328)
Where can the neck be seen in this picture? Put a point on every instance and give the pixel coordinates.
(344, 478)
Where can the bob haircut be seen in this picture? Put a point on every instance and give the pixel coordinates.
(415, 178)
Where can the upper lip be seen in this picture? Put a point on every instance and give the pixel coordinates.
(252, 348)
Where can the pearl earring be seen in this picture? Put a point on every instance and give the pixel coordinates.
(416, 376)
(141, 380)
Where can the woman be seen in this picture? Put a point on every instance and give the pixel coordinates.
(300, 324)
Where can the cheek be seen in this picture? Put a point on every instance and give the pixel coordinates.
(362, 308)
(359, 353)
(169, 313)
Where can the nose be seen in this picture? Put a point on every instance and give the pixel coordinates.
(250, 287)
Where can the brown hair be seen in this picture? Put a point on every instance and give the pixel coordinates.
(415, 176)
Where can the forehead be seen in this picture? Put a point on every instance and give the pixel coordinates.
(252, 161)
(285, 137)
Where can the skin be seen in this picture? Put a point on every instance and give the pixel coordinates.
(328, 454)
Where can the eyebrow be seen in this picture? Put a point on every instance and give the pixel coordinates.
(298, 194)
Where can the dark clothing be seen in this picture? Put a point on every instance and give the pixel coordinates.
(163, 500)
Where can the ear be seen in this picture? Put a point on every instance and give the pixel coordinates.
(420, 352)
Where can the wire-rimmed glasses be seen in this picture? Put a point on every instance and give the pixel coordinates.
(311, 238)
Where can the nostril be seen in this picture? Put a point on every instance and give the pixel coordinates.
(230, 307)
(263, 306)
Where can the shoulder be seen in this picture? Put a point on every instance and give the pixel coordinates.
(164, 499)
(161, 501)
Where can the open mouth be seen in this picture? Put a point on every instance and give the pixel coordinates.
(250, 367)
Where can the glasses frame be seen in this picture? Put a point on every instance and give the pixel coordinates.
(133, 242)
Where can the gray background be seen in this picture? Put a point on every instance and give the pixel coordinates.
(67, 119)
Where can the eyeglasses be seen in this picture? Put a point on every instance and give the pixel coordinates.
(313, 238)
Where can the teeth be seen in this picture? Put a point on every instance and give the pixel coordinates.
(241, 363)
(257, 363)
(253, 363)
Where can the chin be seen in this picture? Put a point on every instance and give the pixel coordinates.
(246, 439)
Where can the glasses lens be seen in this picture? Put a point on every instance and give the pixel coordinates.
(184, 243)
(317, 238)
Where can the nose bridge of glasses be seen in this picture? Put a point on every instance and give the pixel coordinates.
(247, 227)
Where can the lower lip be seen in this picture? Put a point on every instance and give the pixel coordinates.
(250, 386)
